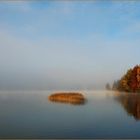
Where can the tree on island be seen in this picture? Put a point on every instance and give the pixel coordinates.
(130, 82)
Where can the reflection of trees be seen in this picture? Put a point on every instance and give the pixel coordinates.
(131, 103)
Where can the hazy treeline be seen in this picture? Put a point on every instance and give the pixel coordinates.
(130, 82)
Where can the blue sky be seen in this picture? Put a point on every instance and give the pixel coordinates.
(67, 44)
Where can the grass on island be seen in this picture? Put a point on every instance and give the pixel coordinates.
(67, 97)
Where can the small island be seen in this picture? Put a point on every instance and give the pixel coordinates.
(68, 97)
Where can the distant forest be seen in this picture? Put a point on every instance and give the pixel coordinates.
(130, 82)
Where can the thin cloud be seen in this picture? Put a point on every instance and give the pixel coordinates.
(15, 6)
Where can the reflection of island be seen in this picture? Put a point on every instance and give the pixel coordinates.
(131, 103)
(68, 97)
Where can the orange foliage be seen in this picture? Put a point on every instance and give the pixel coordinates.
(131, 80)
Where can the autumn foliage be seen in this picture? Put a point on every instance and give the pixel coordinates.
(130, 82)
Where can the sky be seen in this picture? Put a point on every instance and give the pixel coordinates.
(67, 44)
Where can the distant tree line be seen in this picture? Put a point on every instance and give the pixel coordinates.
(130, 82)
(108, 87)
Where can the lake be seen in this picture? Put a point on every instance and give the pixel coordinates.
(106, 114)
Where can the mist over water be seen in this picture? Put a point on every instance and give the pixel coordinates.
(65, 46)
(29, 114)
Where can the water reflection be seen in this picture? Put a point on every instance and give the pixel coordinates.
(131, 103)
(69, 102)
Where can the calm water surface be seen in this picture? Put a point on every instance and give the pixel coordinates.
(104, 115)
